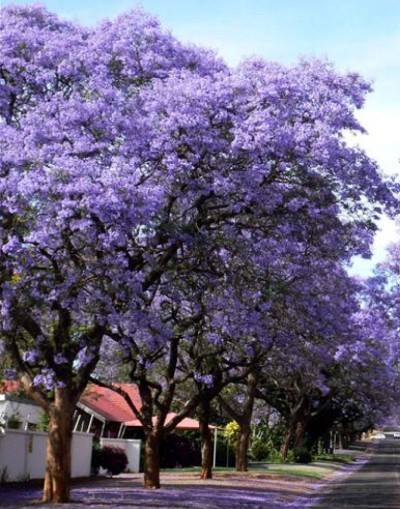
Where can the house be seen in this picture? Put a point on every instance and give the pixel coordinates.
(106, 413)
(23, 447)
(100, 411)
(17, 408)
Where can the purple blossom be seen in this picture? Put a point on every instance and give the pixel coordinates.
(10, 374)
(84, 357)
(45, 379)
(60, 358)
(31, 356)
(204, 379)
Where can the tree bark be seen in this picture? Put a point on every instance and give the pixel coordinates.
(244, 421)
(242, 446)
(206, 441)
(299, 434)
(58, 456)
(286, 443)
(152, 460)
(243, 441)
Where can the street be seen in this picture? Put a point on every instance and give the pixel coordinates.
(375, 486)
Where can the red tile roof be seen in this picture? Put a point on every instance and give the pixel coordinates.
(9, 386)
(186, 423)
(110, 404)
(113, 407)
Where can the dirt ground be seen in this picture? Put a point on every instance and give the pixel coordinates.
(179, 491)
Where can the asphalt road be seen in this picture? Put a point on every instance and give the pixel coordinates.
(375, 486)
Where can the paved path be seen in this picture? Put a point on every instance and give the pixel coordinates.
(375, 486)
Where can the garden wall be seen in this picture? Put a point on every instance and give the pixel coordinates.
(23, 454)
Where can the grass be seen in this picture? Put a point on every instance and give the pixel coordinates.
(337, 458)
(312, 470)
(194, 470)
(321, 467)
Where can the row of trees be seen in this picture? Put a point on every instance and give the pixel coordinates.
(188, 221)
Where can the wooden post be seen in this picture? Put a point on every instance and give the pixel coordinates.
(120, 432)
(90, 424)
(77, 422)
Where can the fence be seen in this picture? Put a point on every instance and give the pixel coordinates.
(23, 454)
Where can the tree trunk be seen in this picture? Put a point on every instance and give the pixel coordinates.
(299, 434)
(286, 443)
(152, 460)
(242, 446)
(206, 441)
(58, 456)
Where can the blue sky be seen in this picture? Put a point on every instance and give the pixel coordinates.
(361, 35)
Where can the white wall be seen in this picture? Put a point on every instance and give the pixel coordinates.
(25, 411)
(23, 453)
(81, 454)
(131, 448)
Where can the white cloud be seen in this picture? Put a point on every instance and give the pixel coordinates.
(382, 143)
(383, 139)
(388, 234)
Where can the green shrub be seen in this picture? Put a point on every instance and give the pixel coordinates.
(14, 421)
(274, 456)
(264, 450)
(273, 434)
(260, 450)
(44, 421)
(302, 455)
(290, 457)
(179, 451)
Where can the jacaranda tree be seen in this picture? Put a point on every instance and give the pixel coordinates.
(85, 202)
(126, 159)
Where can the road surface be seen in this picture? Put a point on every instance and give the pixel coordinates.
(375, 486)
